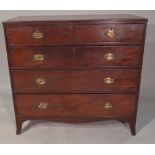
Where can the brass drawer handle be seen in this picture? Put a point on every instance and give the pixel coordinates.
(38, 57)
(109, 56)
(110, 33)
(40, 81)
(108, 80)
(37, 35)
(108, 105)
(43, 105)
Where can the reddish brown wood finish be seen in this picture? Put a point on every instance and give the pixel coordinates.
(53, 35)
(75, 81)
(131, 33)
(75, 68)
(74, 57)
(76, 105)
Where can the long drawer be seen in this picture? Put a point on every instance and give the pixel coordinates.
(39, 35)
(75, 105)
(75, 57)
(75, 81)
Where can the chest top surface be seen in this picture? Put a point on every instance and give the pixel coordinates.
(77, 19)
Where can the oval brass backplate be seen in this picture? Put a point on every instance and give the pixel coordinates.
(37, 35)
(110, 33)
(108, 80)
(108, 105)
(43, 105)
(38, 57)
(109, 56)
(40, 81)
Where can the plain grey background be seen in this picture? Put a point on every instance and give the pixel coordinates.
(100, 132)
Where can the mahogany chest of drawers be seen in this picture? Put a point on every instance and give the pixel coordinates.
(75, 68)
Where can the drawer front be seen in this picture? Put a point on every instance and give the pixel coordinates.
(75, 105)
(74, 57)
(75, 81)
(109, 33)
(38, 35)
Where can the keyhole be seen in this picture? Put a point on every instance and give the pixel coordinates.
(74, 51)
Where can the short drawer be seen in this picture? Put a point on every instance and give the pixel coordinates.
(39, 35)
(74, 57)
(75, 81)
(101, 105)
(109, 34)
